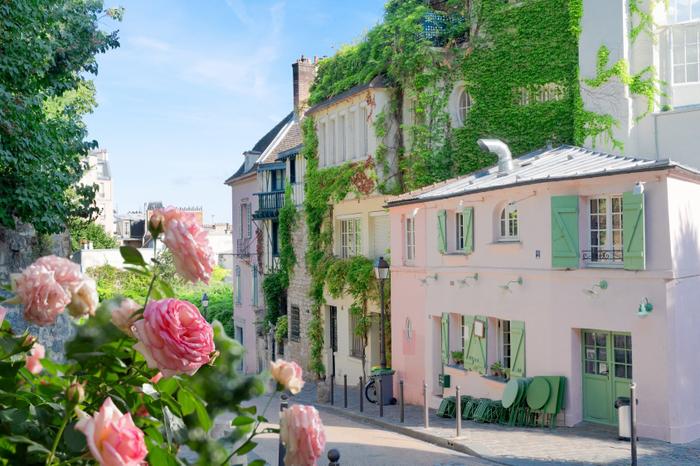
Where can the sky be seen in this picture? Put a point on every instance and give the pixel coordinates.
(195, 83)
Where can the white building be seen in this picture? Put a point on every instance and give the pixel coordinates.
(99, 174)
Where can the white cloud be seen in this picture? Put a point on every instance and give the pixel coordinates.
(149, 43)
(241, 11)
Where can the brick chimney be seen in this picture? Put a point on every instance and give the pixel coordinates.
(303, 74)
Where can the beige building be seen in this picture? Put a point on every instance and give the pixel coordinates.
(99, 174)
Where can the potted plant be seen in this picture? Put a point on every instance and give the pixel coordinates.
(458, 357)
(497, 369)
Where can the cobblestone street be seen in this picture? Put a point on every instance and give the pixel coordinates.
(581, 445)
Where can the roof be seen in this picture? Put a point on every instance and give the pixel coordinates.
(290, 152)
(271, 144)
(544, 165)
(379, 82)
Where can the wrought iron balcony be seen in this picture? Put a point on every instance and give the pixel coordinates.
(269, 204)
(604, 256)
(243, 246)
(440, 27)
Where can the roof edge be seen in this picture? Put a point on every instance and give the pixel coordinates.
(378, 82)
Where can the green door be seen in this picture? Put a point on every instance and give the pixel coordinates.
(607, 371)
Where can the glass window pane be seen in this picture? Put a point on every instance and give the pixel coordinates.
(588, 338)
(594, 206)
(620, 371)
(594, 238)
(602, 222)
(602, 354)
(620, 356)
(628, 341)
(601, 339)
(629, 372)
(691, 53)
(590, 367)
(603, 238)
(594, 222)
(602, 206)
(691, 73)
(678, 55)
(619, 341)
(679, 74)
(617, 239)
(617, 222)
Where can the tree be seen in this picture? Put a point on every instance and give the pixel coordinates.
(46, 48)
(83, 230)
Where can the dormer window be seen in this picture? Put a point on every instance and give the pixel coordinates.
(509, 223)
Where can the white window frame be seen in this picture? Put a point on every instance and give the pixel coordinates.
(686, 60)
(322, 156)
(509, 227)
(459, 231)
(505, 344)
(463, 108)
(342, 138)
(673, 13)
(609, 229)
(350, 236)
(351, 134)
(331, 142)
(409, 239)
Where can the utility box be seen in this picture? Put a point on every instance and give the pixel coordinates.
(444, 380)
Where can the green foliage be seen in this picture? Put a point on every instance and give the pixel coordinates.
(282, 329)
(83, 230)
(48, 49)
(275, 291)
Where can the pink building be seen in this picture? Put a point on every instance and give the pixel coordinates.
(562, 262)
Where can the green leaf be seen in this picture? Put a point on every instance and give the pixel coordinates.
(167, 385)
(242, 421)
(187, 402)
(257, 462)
(132, 256)
(157, 455)
(246, 447)
(74, 439)
(166, 290)
(203, 416)
(249, 409)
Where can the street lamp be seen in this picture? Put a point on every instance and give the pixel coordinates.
(381, 272)
(205, 303)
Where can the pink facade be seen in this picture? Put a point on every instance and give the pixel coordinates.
(245, 264)
(557, 307)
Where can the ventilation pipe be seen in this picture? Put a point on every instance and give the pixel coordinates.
(500, 148)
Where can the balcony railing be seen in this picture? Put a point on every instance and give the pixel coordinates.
(269, 204)
(243, 246)
(603, 256)
(440, 27)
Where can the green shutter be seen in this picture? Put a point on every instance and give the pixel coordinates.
(475, 347)
(442, 231)
(565, 248)
(445, 337)
(633, 231)
(517, 348)
(468, 221)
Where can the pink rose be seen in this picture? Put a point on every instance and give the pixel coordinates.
(113, 438)
(66, 272)
(84, 299)
(36, 354)
(174, 337)
(287, 373)
(188, 242)
(123, 317)
(3, 311)
(42, 295)
(301, 431)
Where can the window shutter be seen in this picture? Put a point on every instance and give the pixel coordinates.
(517, 348)
(468, 221)
(475, 351)
(633, 231)
(249, 220)
(445, 337)
(565, 236)
(442, 231)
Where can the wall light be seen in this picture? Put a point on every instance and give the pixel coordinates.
(601, 285)
(424, 281)
(465, 280)
(506, 287)
(645, 308)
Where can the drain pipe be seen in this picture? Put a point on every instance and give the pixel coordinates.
(500, 148)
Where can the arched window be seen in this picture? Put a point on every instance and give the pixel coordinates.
(509, 223)
(464, 104)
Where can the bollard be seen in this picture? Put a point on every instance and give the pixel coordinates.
(362, 393)
(633, 422)
(425, 405)
(459, 411)
(332, 390)
(281, 451)
(345, 390)
(334, 457)
(401, 400)
(381, 396)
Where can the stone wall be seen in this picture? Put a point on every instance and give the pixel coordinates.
(298, 295)
(18, 249)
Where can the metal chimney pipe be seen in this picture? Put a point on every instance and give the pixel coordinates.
(500, 148)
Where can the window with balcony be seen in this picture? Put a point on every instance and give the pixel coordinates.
(685, 41)
(350, 237)
(508, 223)
(410, 239)
(295, 324)
(605, 226)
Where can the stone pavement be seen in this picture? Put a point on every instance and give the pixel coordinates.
(584, 444)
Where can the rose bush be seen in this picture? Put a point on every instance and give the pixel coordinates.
(141, 380)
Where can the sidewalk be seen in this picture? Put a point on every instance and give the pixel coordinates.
(583, 444)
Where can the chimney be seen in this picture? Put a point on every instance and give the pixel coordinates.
(303, 74)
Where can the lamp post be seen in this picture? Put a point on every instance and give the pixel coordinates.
(381, 272)
(205, 303)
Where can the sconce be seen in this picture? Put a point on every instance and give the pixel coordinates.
(645, 308)
(601, 285)
(424, 281)
(506, 287)
(408, 329)
(464, 281)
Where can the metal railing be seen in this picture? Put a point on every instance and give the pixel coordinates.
(597, 255)
(269, 204)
